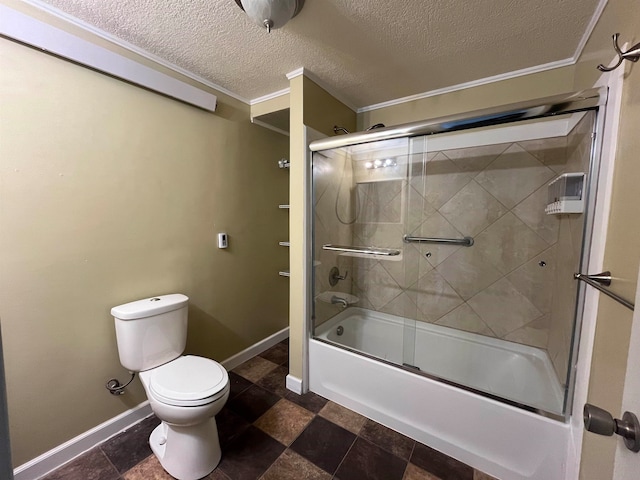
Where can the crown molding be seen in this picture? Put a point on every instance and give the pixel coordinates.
(590, 27)
(303, 71)
(322, 84)
(270, 96)
(296, 73)
(504, 76)
(471, 84)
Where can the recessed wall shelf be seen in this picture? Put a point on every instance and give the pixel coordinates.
(284, 164)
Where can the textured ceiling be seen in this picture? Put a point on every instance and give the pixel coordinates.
(370, 51)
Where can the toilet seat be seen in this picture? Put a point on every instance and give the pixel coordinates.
(188, 381)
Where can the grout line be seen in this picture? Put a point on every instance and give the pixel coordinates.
(345, 455)
(104, 454)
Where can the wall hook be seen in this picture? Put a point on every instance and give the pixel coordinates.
(633, 54)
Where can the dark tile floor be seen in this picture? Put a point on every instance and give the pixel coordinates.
(269, 433)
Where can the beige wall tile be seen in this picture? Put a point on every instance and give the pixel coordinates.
(552, 152)
(531, 212)
(464, 318)
(475, 159)
(435, 296)
(537, 282)
(443, 180)
(509, 243)
(503, 308)
(513, 176)
(535, 333)
(472, 209)
(468, 272)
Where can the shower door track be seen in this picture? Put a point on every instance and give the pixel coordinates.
(549, 106)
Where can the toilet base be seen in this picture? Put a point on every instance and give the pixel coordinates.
(187, 453)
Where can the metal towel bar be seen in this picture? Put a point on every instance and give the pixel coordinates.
(389, 252)
(466, 241)
(601, 280)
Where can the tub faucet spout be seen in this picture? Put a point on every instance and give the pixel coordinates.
(336, 300)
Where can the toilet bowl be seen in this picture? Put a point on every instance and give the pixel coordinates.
(186, 394)
(184, 391)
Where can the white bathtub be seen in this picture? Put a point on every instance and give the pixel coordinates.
(489, 435)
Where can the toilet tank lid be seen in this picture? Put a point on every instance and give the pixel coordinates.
(149, 307)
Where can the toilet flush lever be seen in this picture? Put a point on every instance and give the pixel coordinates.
(600, 421)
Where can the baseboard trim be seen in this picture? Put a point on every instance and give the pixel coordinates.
(64, 453)
(294, 384)
(69, 450)
(255, 349)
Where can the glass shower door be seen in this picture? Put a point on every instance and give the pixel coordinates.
(361, 196)
(439, 254)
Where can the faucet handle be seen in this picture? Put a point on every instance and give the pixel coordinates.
(334, 276)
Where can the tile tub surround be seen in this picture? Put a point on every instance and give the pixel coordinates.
(497, 194)
(272, 434)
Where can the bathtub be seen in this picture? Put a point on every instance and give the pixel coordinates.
(490, 435)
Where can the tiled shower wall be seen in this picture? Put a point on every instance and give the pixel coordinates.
(514, 283)
(334, 218)
(570, 234)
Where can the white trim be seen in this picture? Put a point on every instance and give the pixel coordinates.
(625, 465)
(614, 81)
(296, 73)
(129, 46)
(474, 83)
(255, 349)
(270, 96)
(30, 31)
(326, 87)
(589, 30)
(71, 449)
(294, 384)
(270, 127)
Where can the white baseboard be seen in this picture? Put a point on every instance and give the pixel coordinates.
(255, 349)
(294, 384)
(64, 453)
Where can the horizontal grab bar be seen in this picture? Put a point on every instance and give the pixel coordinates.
(389, 252)
(466, 241)
(600, 281)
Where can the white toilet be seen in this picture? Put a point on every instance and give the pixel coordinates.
(185, 392)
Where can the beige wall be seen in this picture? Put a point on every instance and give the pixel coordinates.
(622, 254)
(109, 194)
(313, 107)
(528, 87)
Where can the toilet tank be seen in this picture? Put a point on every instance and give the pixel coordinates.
(152, 331)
